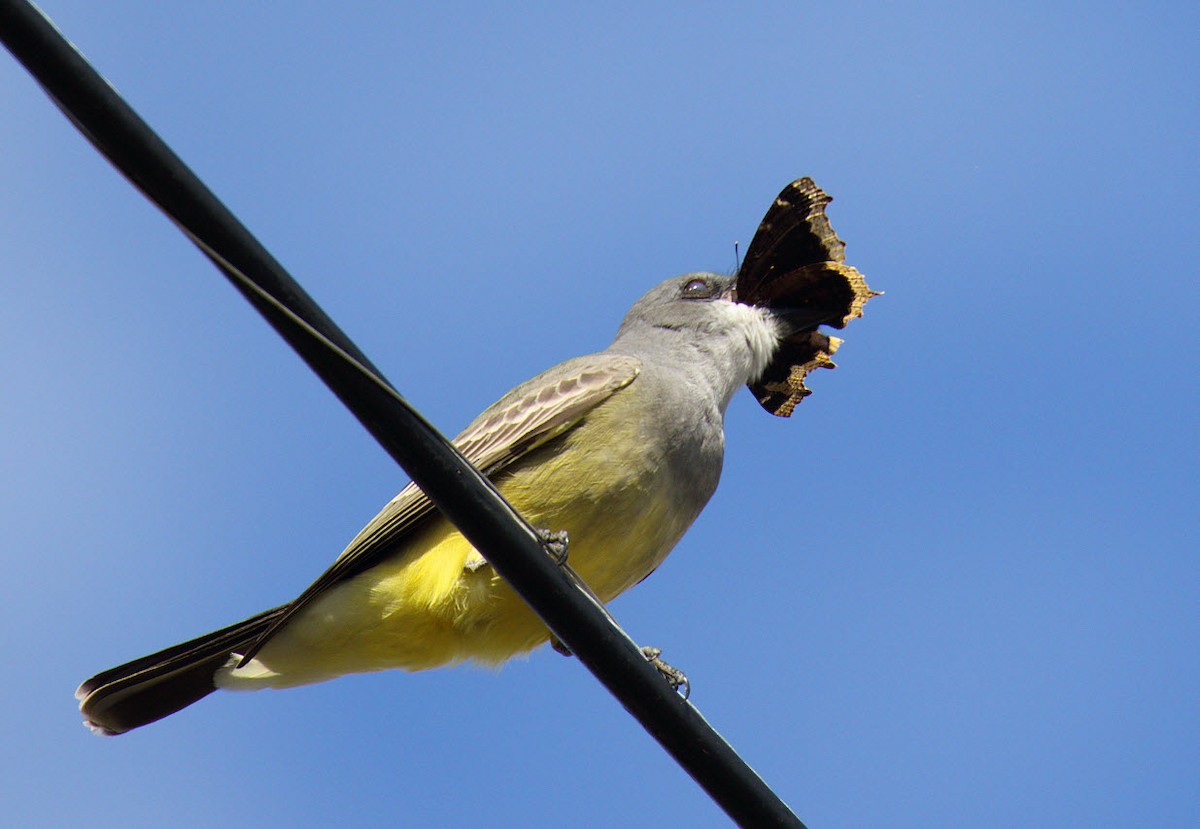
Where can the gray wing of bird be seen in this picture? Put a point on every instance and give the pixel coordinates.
(531, 414)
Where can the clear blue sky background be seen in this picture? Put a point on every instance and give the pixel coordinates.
(960, 587)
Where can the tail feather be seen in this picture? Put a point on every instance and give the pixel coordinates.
(150, 688)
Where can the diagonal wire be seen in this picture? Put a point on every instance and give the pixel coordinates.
(464, 495)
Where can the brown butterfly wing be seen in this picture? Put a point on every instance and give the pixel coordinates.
(794, 233)
(796, 261)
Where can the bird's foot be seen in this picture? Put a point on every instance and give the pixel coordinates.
(675, 677)
(555, 543)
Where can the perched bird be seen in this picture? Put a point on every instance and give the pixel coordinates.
(621, 449)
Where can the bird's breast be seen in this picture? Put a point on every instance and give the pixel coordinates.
(614, 488)
(621, 487)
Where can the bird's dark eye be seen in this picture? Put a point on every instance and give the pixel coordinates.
(697, 289)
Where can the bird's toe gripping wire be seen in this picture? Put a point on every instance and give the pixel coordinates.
(555, 543)
(677, 678)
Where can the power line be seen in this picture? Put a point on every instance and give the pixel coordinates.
(464, 495)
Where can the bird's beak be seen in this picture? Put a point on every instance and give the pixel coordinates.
(797, 319)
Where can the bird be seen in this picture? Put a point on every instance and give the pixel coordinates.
(621, 449)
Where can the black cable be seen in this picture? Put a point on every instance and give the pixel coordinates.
(457, 488)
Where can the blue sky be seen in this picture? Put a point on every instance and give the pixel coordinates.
(958, 588)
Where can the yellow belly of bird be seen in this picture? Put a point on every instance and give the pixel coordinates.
(438, 603)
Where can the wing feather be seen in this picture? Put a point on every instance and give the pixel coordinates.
(525, 418)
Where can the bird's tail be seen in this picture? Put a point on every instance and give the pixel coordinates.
(150, 688)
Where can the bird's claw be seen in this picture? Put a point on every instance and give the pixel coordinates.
(555, 543)
(676, 678)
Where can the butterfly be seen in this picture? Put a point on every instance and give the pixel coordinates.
(795, 260)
